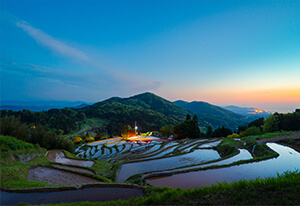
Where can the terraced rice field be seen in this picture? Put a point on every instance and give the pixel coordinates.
(140, 155)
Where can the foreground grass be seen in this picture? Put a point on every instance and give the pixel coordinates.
(282, 190)
(13, 173)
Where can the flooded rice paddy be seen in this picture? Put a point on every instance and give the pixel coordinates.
(196, 157)
(288, 159)
(153, 157)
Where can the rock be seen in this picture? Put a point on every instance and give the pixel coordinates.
(29, 157)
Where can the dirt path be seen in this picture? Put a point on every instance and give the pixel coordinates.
(294, 135)
(59, 157)
(58, 177)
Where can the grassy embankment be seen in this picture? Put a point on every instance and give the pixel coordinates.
(13, 173)
(282, 190)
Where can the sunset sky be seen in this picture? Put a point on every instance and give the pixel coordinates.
(243, 53)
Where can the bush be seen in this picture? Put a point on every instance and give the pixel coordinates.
(77, 140)
(251, 131)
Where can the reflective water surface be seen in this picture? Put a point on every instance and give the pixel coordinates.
(288, 159)
(88, 194)
(196, 157)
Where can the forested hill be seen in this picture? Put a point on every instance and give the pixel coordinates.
(150, 111)
(153, 102)
(215, 116)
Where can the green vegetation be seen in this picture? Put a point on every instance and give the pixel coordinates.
(227, 147)
(167, 130)
(267, 135)
(282, 190)
(127, 131)
(62, 121)
(148, 110)
(221, 132)
(258, 150)
(188, 129)
(251, 131)
(11, 126)
(104, 169)
(293, 142)
(13, 172)
(215, 116)
(274, 123)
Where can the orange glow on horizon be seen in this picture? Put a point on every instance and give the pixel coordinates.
(281, 95)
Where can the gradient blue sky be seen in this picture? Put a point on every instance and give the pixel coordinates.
(222, 52)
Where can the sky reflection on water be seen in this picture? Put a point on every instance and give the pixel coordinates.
(288, 159)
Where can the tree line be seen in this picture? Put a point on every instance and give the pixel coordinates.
(276, 122)
(62, 121)
(12, 126)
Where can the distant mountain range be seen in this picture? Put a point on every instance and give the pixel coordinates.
(38, 106)
(248, 111)
(213, 115)
(150, 111)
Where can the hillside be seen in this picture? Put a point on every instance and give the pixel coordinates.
(148, 110)
(215, 116)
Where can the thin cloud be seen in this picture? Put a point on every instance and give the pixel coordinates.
(50, 42)
(91, 84)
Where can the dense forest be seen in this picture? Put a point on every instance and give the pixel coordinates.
(61, 121)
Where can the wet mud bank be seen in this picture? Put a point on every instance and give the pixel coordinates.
(60, 157)
(60, 166)
(58, 176)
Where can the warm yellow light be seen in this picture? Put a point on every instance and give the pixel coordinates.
(258, 111)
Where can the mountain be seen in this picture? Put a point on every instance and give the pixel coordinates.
(248, 111)
(213, 115)
(38, 106)
(150, 111)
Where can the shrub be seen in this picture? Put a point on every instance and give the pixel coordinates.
(77, 140)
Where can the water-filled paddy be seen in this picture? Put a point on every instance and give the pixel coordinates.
(243, 155)
(288, 159)
(196, 157)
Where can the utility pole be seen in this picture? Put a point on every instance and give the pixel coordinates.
(135, 127)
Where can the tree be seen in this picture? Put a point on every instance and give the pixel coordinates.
(241, 129)
(187, 129)
(126, 131)
(257, 123)
(251, 131)
(222, 132)
(195, 118)
(167, 130)
(209, 132)
(271, 124)
(188, 117)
